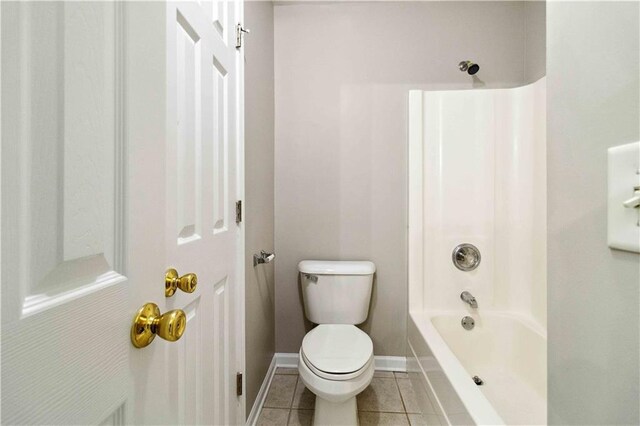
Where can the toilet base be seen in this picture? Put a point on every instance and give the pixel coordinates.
(335, 413)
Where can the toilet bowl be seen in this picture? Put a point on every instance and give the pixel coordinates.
(336, 360)
(336, 364)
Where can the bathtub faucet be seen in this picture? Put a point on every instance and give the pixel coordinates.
(468, 298)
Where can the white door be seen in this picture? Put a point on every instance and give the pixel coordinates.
(201, 231)
(119, 160)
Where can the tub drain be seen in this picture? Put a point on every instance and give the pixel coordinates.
(477, 380)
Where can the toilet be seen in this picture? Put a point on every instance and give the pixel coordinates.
(336, 358)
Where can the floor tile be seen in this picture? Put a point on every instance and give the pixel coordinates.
(401, 375)
(381, 395)
(303, 397)
(382, 419)
(408, 396)
(273, 417)
(281, 391)
(422, 396)
(460, 419)
(423, 420)
(447, 397)
(283, 370)
(300, 418)
(379, 373)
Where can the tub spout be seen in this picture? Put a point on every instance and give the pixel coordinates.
(468, 298)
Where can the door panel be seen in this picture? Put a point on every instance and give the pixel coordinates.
(217, 11)
(220, 97)
(201, 177)
(188, 69)
(221, 325)
(191, 350)
(64, 289)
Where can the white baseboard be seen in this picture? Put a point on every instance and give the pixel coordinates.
(391, 363)
(383, 363)
(262, 394)
(286, 360)
(290, 360)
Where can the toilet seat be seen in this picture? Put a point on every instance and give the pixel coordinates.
(337, 351)
(336, 376)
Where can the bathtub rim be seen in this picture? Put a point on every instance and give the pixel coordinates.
(475, 402)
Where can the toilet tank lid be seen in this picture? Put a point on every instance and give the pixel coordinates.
(337, 267)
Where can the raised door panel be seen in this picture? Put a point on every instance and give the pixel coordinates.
(188, 161)
(217, 14)
(192, 370)
(220, 17)
(64, 306)
(220, 141)
(220, 330)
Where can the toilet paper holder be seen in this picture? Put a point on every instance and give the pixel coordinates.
(263, 257)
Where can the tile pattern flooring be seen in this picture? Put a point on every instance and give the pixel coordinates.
(389, 400)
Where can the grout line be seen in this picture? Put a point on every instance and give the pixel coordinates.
(293, 397)
(395, 379)
(402, 396)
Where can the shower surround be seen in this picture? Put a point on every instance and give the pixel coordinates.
(477, 175)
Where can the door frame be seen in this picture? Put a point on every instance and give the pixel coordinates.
(240, 248)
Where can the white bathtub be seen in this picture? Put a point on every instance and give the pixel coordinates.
(506, 351)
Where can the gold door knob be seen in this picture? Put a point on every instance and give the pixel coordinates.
(172, 281)
(148, 323)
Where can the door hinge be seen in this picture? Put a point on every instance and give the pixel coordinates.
(240, 31)
(239, 384)
(238, 212)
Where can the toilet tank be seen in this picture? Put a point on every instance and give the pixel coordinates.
(336, 292)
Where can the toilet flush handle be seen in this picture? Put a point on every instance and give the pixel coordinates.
(312, 278)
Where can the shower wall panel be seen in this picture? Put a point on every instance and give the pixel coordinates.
(478, 175)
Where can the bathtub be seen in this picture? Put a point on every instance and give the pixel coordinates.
(506, 351)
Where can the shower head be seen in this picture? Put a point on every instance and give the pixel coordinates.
(469, 67)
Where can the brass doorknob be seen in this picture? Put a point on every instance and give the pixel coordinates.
(172, 281)
(148, 323)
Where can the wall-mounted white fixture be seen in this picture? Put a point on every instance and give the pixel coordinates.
(624, 197)
(634, 201)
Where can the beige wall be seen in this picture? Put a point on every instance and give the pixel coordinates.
(259, 197)
(535, 39)
(593, 74)
(342, 75)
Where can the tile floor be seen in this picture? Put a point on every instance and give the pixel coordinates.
(389, 400)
